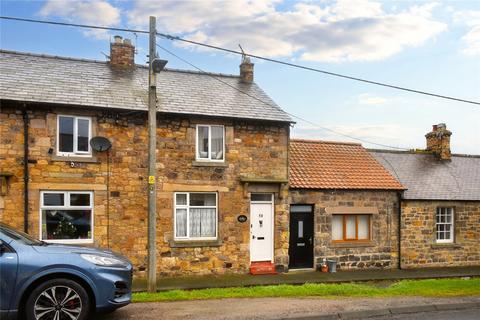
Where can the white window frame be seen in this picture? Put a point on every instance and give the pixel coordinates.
(75, 152)
(209, 159)
(452, 223)
(67, 206)
(187, 207)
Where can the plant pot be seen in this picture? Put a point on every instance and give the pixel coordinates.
(324, 268)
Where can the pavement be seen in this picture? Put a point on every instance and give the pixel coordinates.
(303, 309)
(301, 277)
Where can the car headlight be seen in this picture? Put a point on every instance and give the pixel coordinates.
(104, 261)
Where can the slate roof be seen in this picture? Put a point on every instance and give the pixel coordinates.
(52, 79)
(336, 165)
(427, 178)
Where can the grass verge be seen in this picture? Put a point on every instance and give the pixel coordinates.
(426, 288)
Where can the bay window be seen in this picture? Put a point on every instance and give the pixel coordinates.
(66, 216)
(351, 227)
(195, 216)
(210, 143)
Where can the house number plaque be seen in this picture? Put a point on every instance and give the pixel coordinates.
(242, 218)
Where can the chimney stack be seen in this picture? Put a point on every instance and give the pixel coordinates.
(246, 70)
(122, 53)
(438, 141)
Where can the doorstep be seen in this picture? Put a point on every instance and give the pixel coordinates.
(245, 280)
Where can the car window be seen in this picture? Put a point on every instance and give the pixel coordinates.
(19, 236)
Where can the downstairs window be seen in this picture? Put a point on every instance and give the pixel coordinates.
(350, 227)
(66, 216)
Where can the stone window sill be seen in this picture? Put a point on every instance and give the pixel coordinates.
(446, 246)
(209, 164)
(352, 244)
(194, 244)
(75, 159)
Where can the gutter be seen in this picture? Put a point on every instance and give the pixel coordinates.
(26, 176)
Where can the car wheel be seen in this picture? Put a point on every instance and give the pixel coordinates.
(58, 299)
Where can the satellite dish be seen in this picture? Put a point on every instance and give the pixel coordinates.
(100, 144)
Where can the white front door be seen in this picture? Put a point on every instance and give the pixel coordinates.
(261, 228)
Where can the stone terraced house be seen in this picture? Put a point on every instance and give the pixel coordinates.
(234, 194)
(222, 161)
(343, 206)
(441, 206)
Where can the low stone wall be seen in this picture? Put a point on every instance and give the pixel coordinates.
(380, 252)
(419, 247)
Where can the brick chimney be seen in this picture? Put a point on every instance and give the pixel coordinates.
(246, 70)
(438, 141)
(122, 53)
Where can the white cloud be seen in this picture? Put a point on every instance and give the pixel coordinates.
(368, 99)
(471, 39)
(93, 12)
(353, 30)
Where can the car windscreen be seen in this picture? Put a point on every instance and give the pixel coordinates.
(19, 236)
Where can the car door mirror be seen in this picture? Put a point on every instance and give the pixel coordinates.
(3, 248)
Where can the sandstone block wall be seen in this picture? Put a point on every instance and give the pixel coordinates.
(419, 247)
(380, 252)
(120, 208)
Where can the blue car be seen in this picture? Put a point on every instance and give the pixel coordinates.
(44, 281)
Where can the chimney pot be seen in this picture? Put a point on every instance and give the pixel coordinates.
(438, 141)
(246, 70)
(127, 41)
(117, 39)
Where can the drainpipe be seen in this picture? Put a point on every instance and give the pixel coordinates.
(25, 169)
(399, 197)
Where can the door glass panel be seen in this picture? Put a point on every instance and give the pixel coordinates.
(337, 227)
(350, 227)
(301, 208)
(363, 227)
(261, 197)
(300, 229)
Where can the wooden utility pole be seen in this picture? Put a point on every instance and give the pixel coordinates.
(152, 159)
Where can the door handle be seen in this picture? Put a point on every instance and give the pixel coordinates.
(253, 237)
(310, 240)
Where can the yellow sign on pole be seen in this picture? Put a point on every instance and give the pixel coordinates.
(151, 179)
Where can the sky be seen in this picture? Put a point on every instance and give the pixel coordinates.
(423, 45)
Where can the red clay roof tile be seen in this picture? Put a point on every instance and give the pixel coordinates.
(336, 165)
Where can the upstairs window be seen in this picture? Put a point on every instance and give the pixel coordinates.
(346, 227)
(210, 143)
(73, 135)
(444, 225)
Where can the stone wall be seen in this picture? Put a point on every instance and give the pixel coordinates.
(380, 252)
(419, 247)
(253, 149)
